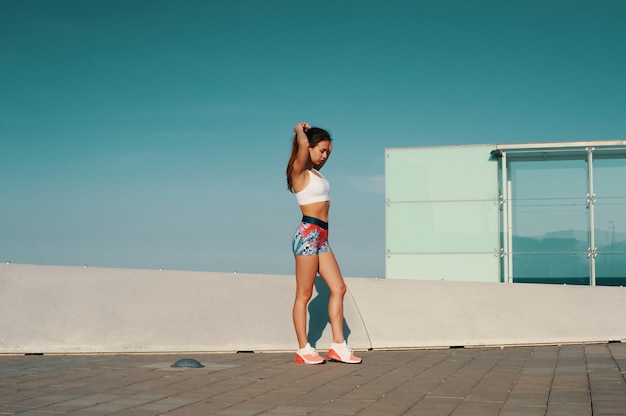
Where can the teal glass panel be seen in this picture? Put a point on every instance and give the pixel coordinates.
(442, 209)
(456, 173)
(550, 221)
(459, 267)
(551, 267)
(442, 227)
(609, 177)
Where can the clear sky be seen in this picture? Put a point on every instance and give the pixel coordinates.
(155, 134)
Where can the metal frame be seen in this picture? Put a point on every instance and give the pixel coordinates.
(592, 251)
(508, 152)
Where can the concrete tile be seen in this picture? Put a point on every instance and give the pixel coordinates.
(10, 409)
(434, 406)
(569, 397)
(523, 381)
(198, 408)
(349, 405)
(286, 411)
(569, 409)
(535, 399)
(520, 410)
(469, 408)
(165, 405)
(378, 409)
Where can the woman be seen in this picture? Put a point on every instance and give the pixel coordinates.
(310, 150)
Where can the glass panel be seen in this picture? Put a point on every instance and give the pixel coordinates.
(468, 267)
(441, 174)
(550, 267)
(610, 220)
(550, 221)
(442, 200)
(442, 227)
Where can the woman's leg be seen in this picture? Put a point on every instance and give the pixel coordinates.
(329, 270)
(306, 271)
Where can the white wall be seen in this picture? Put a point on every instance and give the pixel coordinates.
(409, 313)
(53, 309)
(76, 309)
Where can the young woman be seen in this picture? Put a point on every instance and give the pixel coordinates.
(310, 150)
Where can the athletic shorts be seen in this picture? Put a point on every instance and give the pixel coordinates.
(311, 237)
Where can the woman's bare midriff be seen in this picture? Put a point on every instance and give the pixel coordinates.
(317, 210)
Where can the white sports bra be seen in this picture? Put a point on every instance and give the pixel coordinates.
(316, 191)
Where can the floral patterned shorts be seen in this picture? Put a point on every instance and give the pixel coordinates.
(311, 237)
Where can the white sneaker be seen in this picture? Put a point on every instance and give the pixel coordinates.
(308, 355)
(342, 352)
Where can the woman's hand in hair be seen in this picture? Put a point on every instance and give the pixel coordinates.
(301, 127)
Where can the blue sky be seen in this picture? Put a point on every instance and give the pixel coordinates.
(154, 134)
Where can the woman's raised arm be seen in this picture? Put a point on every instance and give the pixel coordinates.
(302, 157)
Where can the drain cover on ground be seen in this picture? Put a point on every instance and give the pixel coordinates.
(188, 363)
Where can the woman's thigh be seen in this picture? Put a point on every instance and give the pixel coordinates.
(330, 272)
(306, 271)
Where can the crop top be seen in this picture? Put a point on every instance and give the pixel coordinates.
(316, 191)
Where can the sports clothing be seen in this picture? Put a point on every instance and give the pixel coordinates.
(308, 355)
(311, 237)
(342, 352)
(316, 191)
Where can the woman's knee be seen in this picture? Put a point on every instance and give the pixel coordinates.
(338, 289)
(304, 295)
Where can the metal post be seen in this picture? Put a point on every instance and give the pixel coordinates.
(509, 231)
(591, 200)
(506, 257)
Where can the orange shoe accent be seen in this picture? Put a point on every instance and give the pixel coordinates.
(334, 356)
(309, 359)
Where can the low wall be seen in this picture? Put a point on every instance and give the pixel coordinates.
(403, 313)
(53, 309)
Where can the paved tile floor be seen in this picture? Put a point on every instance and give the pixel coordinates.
(566, 380)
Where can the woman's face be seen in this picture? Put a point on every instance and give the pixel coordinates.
(320, 152)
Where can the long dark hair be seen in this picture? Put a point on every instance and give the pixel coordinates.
(315, 135)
